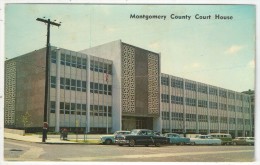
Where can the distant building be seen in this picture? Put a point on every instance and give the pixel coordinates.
(252, 96)
(117, 86)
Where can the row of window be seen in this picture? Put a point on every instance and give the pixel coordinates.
(69, 108)
(80, 109)
(69, 60)
(100, 88)
(100, 110)
(201, 88)
(69, 84)
(81, 63)
(201, 103)
(99, 66)
(202, 118)
(78, 85)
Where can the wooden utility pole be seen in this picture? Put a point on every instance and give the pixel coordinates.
(45, 123)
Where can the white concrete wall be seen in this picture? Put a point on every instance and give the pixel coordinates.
(112, 51)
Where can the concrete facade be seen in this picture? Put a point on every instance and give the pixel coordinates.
(117, 86)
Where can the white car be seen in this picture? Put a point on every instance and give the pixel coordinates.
(204, 139)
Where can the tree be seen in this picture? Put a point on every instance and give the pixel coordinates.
(26, 120)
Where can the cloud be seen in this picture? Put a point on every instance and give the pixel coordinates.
(234, 49)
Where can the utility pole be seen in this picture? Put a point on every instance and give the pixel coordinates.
(45, 123)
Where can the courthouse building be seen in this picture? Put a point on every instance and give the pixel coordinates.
(117, 86)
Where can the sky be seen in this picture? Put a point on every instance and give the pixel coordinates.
(212, 51)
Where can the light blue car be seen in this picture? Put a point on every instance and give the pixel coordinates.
(110, 139)
(174, 138)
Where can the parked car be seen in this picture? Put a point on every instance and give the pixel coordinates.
(141, 137)
(226, 139)
(244, 141)
(110, 139)
(204, 139)
(174, 138)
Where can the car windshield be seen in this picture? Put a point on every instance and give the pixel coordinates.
(134, 132)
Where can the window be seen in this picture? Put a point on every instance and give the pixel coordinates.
(223, 119)
(72, 108)
(202, 89)
(222, 93)
(67, 83)
(109, 89)
(61, 107)
(96, 87)
(202, 103)
(190, 117)
(191, 102)
(177, 116)
(53, 82)
(79, 62)
(68, 60)
(246, 110)
(165, 115)
(78, 109)
(84, 86)
(231, 95)
(240, 121)
(62, 83)
(100, 67)
(73, 84)
(177, 83)
(203, 118)
(84, 63)
(62, 60)
(190, 86)
(109, 111)
(213, 105)
(91, 87)
(165, 98)
(100, 88)
(165, 81)
(53, 57)
(213, 91)
(232, 121)
(105, 89)
(78, 85)
(73, 61)
(247, 122)
(223, 106)
(53, 106)
(239, 109)
(91, 65)
(176, 99)
(214, 119)
(110, 69)
(231, 108)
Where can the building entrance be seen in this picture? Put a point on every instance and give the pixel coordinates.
(129, 123)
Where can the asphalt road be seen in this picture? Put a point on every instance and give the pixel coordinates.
(25, 151)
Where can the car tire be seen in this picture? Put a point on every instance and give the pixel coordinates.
(108, 142)
(192, 143)
(131, 143)
(234, 143)
(157, 144)
(120, 144)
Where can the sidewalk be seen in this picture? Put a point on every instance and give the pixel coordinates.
(36, 139)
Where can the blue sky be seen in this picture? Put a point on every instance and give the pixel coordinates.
(216, 52)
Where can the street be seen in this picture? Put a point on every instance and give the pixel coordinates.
(25, 151)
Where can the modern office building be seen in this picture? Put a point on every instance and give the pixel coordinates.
(117, 86)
